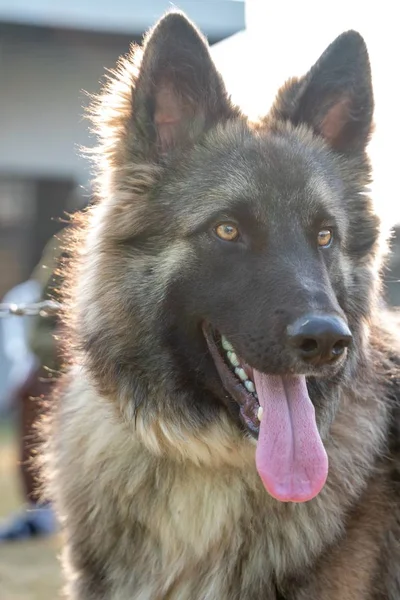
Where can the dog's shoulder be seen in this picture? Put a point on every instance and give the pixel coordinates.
(386, 341)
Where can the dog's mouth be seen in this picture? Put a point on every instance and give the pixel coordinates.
(237, 378)
(290, 457)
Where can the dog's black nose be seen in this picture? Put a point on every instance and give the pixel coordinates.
(319, 339)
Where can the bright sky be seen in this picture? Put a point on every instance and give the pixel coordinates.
(285, 38)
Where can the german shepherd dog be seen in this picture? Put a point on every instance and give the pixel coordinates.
(228, 429)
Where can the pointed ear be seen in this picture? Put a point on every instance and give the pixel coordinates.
(335, 97)
(178, 91)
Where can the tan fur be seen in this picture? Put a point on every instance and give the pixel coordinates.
(188, 493)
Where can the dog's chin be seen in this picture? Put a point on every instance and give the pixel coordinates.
(238, 380)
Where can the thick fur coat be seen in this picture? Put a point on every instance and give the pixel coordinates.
(149, 463)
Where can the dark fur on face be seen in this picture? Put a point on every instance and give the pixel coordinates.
(151, 462)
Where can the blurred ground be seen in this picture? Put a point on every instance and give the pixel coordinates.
(28, 570)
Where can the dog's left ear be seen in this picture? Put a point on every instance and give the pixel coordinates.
(335, 97)
(178, 93)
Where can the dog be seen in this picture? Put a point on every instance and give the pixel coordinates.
(228, 426)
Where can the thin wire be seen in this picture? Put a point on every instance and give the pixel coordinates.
(47, 308)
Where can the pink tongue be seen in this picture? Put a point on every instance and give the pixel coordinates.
(290, 457)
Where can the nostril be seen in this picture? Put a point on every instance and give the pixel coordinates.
(340, 346)
(308, 346)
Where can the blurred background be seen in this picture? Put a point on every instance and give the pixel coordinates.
(52, 55)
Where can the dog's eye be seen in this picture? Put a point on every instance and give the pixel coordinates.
(227, 232)
(325, 238)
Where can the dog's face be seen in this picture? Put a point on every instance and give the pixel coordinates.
(230, 253)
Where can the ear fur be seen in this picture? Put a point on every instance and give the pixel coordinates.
(335, 97)
(178, 92)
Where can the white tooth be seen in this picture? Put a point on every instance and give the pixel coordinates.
(249, 385)
(241, 373)
(226, 345)
(233, 359)
(260, 413)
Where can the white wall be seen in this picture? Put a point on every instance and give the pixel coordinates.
(41, 124)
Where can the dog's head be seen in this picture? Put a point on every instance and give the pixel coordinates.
(229, 268)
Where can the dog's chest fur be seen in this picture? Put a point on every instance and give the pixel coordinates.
(162, 528)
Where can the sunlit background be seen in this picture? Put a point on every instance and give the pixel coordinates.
(54, 52)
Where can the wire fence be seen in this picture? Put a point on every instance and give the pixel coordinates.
(46, 308)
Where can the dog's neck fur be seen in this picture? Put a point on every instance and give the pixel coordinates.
(208, 497)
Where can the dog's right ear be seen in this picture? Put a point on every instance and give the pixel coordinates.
(178, 92)
(335, 97)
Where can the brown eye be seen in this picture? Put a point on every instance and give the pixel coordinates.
(227, 232)
(325, 238)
